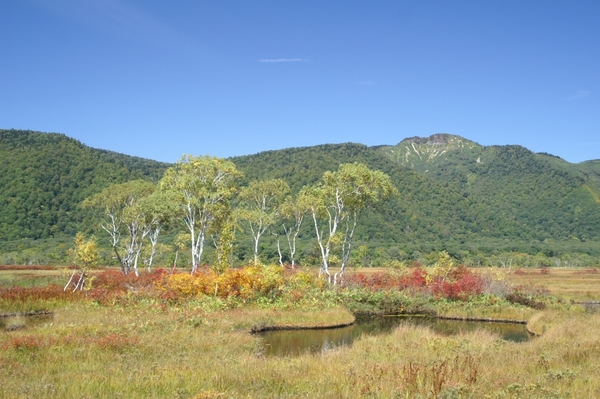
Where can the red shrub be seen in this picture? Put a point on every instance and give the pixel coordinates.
(49, 292)
(375, 282)
(417, 278)
(460, 283)
(358, 279)
(115, 341)
(116, 281)
(24, 342)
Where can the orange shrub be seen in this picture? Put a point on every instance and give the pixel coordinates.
(246, 283)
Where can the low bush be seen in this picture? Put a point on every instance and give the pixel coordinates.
(34, 299)
(534, 297)
(459, 283)
(247, 283)
(362, 301)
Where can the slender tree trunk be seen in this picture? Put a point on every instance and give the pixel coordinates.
(80, 282)
(347, 245)
(279, 249)
(119, 259)
(256, 238)
(199, 250)
(153, 241)
(175, 262)
(324, 251)
(291, 236)
(71, 279)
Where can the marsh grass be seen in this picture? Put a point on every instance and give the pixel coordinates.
(577, 284)
(12, 277)
(485, 307)
(147, 351)
(144, 347)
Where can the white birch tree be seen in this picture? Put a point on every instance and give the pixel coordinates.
(337, 203)
(292, 213)
(202, 187)
(260, 207)
(158, 211)
(122, 219)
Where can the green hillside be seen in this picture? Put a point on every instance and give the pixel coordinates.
(429, 215)
(425, 209)
(474, 201)
(45, 176)
(550, 197)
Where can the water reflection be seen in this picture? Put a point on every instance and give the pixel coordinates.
(13, 323)
(294, 342)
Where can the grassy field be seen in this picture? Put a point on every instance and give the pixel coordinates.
(30, 278)
(578, 284)
(567, 283)
(144, 348)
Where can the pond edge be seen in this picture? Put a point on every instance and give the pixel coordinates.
(29, 313)
(484, 319)
(264, 328)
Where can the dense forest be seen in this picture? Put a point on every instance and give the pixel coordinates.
(481, 204)
(551, 197)
(45, 177)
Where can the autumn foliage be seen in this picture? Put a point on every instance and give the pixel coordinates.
(22, 294)
(246, 283)
(103, 287)
(459, 283)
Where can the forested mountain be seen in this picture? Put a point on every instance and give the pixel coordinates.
(550, 197)
(45, 176)
(426, 210)
(454, 193)
(459, 196)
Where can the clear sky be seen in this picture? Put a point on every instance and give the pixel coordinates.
(158, 79)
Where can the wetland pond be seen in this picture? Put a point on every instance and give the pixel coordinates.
(295, 342)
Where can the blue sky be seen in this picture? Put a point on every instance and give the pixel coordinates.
(158, 79)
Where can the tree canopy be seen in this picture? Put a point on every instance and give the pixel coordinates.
(202, 188)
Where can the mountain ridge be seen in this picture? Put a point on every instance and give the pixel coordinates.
(454, 193)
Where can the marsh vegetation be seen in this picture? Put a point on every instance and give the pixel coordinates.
(146, 336)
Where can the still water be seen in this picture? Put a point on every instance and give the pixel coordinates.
(294, 342)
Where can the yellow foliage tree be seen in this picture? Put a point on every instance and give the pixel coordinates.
(85, 255)
(441, 268)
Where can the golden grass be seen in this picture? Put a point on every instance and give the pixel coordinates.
(500, 311)
(187, 351)
(576, 284)
(146, 352)
(31, 278)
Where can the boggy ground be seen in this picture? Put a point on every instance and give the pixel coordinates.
(202, 348)
(145, 352)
